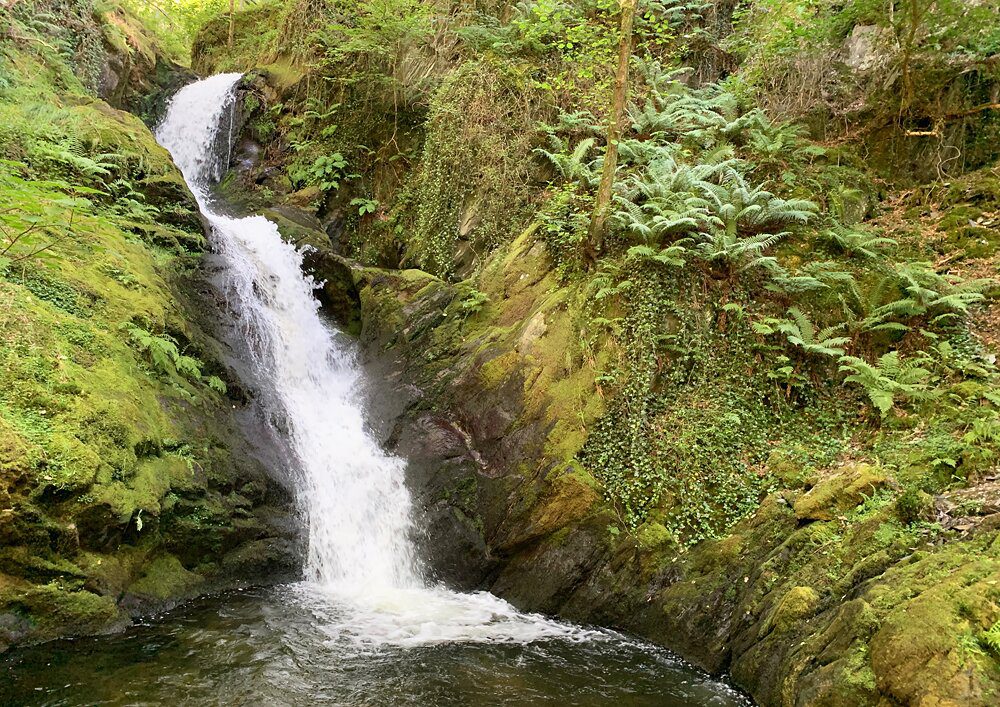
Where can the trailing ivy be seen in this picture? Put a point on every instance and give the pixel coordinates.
(473, 177)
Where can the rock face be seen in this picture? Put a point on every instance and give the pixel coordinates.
(140, 83)
(861, 49)
(820, 597)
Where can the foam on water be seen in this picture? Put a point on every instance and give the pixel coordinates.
(363, 581)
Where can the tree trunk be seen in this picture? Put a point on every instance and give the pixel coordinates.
(603, 205)
(232, 21)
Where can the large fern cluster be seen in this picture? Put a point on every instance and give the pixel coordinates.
(711, 210)
(705, 187)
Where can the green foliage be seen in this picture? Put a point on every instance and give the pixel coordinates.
(913, 505)
(36, 217)
(161, 350)
(990, 640)
(85, 412)
(688, 427)
(564, 221)
(888, 380)
(326, 172)
(373, 38)
(672, 255)
(473, 172)
(473, 302)
(365, 206)
(176, 22)
(217, 384)
(166, 358)
(790, 51)
(704, 200)
(573, 165)
(855, 243)
(802, 333)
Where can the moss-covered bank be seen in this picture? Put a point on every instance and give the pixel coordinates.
(125, 480)
(839, 589)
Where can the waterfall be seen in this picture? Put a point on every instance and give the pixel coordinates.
(352, 493)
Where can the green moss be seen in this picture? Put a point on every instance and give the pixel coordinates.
(497, 370)
(164, 578)
(52, 609)
(653, 536)
(797, 605)
(844, 490)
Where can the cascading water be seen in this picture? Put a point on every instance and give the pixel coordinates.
(353, 494)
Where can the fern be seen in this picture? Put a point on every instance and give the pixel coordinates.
(778, 144)
(68, 151)
(990, 640)
(730, 250)
(166, 358)
(188, 367)
(825, 278)
(573, 165)
(582, 121)
(215, 383)
(915, 290)
(671, 256)
(855, 244)
(747, 209)
(162, 351)
(802, 333)
(890, 379)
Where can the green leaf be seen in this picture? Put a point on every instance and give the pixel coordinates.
(881, 399)
(216, 384)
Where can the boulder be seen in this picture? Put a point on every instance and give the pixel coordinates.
(837, 494)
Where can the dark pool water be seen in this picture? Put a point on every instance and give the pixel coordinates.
(278, 647)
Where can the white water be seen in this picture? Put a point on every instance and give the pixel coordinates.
(363, 582)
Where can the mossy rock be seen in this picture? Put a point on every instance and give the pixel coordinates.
(571, 497)
(48, 610)
(798, 604)
(653, 536)
(165, 578)
(836, 494)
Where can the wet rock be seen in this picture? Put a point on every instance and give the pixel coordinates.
(267, 559)
(163, 579)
